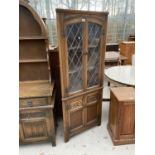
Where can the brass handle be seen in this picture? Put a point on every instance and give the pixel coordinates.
(85, 53)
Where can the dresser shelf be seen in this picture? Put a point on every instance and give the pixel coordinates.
(33, 38)
(32, 60)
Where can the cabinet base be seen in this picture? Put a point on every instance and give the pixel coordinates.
(38, 142)
(72, 134)
(119, 141)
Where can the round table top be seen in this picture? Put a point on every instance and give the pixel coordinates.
(122, 74)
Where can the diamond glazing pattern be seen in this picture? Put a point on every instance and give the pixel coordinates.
(94, 36)
(74, 44)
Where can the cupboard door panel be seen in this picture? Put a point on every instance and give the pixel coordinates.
(127, 124)
(75, 113)
(92, 107)
(92, 112)
(34, 130)
(74, 41)
(76, 119)
(94, 39)
(92, 97)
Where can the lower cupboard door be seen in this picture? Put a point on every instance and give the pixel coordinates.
(76, 120)
(34, 130)
(92, 114)
(93, 108)
(75, 112)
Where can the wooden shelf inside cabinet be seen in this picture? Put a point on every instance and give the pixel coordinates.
(91, 67)
(93, 46)
(32, 60)
(75, 48)
(72, 71)
(33, 38)
(39, 88)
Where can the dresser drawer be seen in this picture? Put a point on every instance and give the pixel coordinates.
(33, 102)
(33, 114)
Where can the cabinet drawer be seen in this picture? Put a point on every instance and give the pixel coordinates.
(93, 97)
(33, 102)
(32, 114)
(74, 104)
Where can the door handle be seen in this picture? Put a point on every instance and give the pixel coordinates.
(85, 53)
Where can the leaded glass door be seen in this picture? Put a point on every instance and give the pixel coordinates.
(74, 46)
(94, 50)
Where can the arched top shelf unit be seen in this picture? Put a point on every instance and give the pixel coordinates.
(33, 45)
(31, 26)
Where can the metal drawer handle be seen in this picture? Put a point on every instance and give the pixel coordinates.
(29, 103)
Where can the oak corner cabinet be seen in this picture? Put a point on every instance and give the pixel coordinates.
(121, 123)
(36, 89)
(82, 44)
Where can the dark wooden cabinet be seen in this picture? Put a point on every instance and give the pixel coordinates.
(55, 74)
(121, 123)
(36, 89)
(82, 44)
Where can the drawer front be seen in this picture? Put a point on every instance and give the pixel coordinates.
(93, 97)
(29, 114)
(32, 102)
(74, 104)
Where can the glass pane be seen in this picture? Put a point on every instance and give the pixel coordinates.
(74, 43)
(94, 36)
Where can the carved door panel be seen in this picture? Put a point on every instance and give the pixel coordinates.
(34, 126)
(75, 113)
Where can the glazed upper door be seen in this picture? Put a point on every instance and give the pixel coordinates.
(95, 37)
(83, 41)
(74, 51)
